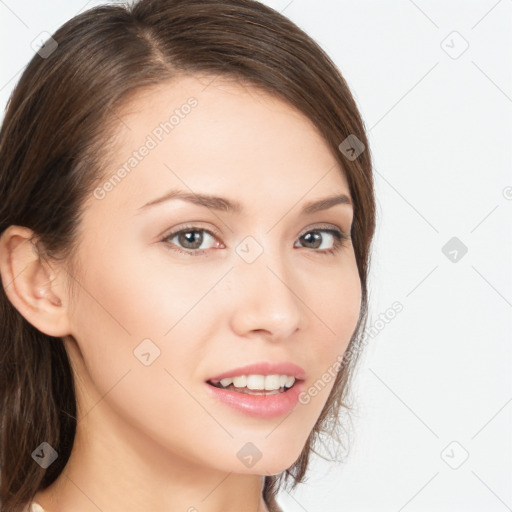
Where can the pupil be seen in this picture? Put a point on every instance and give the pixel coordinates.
(317, 235)
(185, 239)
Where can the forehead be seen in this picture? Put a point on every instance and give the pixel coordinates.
(214, 134)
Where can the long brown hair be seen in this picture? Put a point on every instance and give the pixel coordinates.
(53, 144)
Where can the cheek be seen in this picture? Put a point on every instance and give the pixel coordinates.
(136, 313)
(136, 295)
(337, 307)
(117, 308)
(129, 365)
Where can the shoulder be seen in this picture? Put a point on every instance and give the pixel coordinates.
(34, 507)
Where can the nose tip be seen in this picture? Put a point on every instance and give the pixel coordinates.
(276, 330)
(266, 303)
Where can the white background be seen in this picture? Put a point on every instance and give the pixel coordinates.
(435, 385)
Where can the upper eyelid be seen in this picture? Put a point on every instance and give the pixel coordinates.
(198, 227)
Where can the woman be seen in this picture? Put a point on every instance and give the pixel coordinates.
(134, 376)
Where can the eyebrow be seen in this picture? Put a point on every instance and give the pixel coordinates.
(232, 206)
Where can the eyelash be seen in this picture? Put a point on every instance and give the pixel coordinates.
(340, 239)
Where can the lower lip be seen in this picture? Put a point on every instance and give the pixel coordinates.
(260, 406)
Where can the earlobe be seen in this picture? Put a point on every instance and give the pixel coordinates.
(31, 284)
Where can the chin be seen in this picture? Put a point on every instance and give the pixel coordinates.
(273, 465)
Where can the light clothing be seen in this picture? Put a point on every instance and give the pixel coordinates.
(34, 507)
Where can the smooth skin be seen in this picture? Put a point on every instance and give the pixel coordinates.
(150, 437)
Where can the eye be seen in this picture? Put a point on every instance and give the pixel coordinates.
(190, 239)
(337, 236)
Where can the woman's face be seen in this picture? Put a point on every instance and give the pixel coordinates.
(159, 314)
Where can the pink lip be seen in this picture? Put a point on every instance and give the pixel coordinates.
(260, 406)
(264, 368)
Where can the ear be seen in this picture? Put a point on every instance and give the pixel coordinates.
(31, 284)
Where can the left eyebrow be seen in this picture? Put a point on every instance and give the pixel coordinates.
(231, 206)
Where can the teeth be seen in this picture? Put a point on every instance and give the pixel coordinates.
(256, 382)
(240, 382)
(289, 382)
(259, 382)
(272, 382)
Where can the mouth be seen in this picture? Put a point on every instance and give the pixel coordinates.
(259, 385)
(262, 390)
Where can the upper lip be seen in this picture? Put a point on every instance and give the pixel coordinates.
(264, 368)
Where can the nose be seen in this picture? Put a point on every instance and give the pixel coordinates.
(265, 297)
